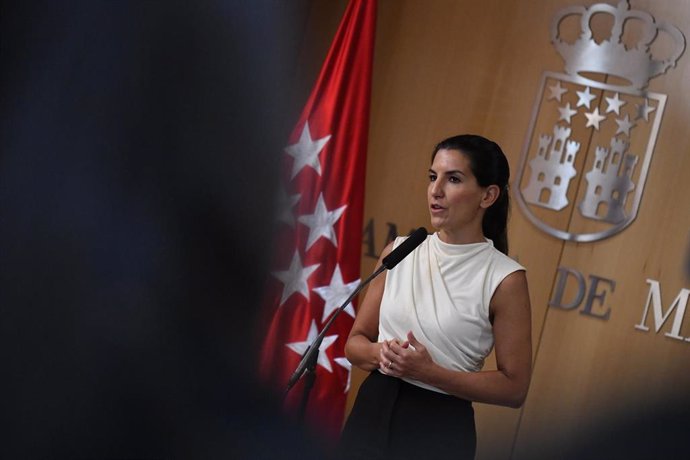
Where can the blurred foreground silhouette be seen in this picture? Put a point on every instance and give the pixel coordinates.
(139, 146)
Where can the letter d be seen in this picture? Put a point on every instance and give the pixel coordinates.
(559, 290)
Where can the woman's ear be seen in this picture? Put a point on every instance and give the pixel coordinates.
(490, 196)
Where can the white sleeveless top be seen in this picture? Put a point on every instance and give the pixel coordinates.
(441, 292)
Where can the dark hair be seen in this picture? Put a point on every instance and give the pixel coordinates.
(490, 167)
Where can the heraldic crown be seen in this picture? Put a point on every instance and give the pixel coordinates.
(635, 64)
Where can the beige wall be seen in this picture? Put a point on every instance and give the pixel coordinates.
(444, 67)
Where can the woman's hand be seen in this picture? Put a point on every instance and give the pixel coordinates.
(408, 359)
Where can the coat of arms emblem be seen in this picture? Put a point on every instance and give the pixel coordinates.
(592, 134)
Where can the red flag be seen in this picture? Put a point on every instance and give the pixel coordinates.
(317, 255)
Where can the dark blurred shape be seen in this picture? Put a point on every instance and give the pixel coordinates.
(648, 432)
(654, 427)
(139, 142)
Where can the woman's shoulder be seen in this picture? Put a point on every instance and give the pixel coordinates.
(505, 263)
(506, 273)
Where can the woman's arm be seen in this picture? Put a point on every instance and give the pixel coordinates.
(362, 348)
(506, 386)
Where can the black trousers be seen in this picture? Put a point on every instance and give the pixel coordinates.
(394, 419)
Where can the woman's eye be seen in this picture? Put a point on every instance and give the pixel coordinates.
(432, 177)
(454, 180)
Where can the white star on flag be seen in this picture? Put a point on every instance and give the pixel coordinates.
(301, 347)
(343, 362)
(285, 204)
(295, 278)
(584, 98)
(615, 104)
(566, 113)
(624, 125)
(593, 119)
(556, 91)
(306, 151)
(321, 222)
(336, 294)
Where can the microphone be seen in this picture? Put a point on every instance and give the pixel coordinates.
(310, 356)
(406, 247)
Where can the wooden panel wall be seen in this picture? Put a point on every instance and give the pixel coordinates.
(445, 67)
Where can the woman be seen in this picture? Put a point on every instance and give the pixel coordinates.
(425, 327)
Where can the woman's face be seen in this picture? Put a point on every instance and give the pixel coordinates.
(456, 200)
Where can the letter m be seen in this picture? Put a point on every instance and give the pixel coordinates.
(654, 298)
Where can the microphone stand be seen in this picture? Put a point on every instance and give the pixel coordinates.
(307, 366)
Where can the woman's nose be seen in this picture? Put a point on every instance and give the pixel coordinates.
(436, 189)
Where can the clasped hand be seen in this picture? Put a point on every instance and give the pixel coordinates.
(405, 359)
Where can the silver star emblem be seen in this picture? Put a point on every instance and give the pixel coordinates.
(585, 98)
(335, 294)
(306, 151)
(321, 222)
(624, 125)
(295, 278)
(301, 347)
(593, 119)
(566, 113)
(643, 111)
(285, 204)
(343, 362)
(556, 91)
(614, 104)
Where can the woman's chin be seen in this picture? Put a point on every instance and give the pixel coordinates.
(436, 223)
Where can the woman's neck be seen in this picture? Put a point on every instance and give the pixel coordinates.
(461, 237)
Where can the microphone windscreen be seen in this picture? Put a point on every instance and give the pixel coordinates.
(406, 247)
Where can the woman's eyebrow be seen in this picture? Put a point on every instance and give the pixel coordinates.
(455, 171)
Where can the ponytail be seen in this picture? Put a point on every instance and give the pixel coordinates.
(495, 223)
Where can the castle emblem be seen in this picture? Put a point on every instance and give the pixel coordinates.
(593, 130)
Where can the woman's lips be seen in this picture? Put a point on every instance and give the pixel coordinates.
(435, 208)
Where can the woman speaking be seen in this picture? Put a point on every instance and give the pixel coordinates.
(425, 328)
